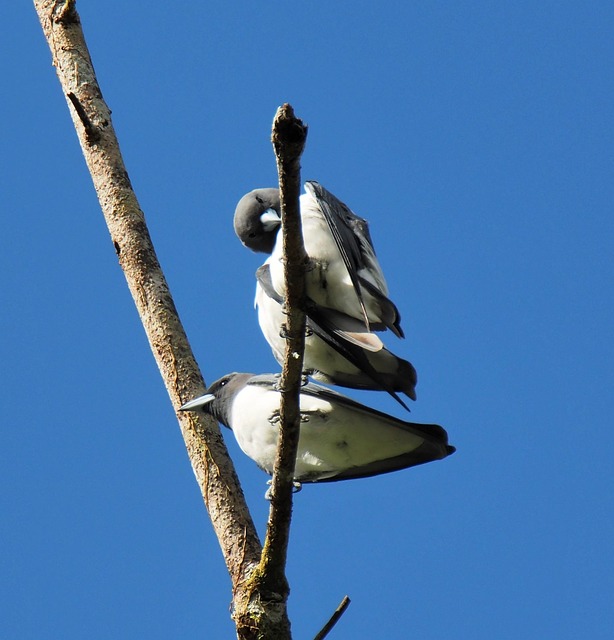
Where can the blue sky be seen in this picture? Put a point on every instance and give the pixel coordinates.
(476, 138)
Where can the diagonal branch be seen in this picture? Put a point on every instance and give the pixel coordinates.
(212, 466)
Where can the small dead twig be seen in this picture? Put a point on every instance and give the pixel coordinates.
(339, 611)
(92, 134)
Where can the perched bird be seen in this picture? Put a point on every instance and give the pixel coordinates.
(344, 273)
(346, 291)
(340, 439)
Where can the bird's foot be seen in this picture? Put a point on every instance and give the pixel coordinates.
(269, 492)
(296, 487)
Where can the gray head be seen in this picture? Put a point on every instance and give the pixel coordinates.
(218, 399)
(257, 219)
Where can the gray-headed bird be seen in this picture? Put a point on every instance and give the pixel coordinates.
(347, 295)
(340, 439)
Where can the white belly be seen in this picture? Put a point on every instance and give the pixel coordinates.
(329, 441)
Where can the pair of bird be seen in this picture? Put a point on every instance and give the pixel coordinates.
(347, 300)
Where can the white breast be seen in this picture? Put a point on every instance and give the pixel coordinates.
(253, 424)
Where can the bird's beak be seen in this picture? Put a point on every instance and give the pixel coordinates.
(270, 219)
(197, 403)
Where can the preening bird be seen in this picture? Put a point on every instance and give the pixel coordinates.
(345, 275)
(340, 439)
(347, 295)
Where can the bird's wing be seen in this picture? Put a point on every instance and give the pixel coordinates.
(352, 237)
(432, 433)
(390, 315)
(333, 320)
(341, 222)
(421, 455)
(348, 349)
(349, 345)
(263, 275)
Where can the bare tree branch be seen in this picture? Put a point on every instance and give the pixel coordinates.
(212, 466)
(339, 611)
(288, 137)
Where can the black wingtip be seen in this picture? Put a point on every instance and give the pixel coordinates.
(395, 395)
(321, 328)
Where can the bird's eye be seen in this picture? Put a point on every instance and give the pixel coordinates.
(252, 234)
(259, 199)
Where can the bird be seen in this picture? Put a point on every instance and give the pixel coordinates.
(346, 292)
(344, 273)
(340, 439)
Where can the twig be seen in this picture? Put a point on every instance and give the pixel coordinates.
(65, 11)
(92, 134)
(288, 138)
(339, 611)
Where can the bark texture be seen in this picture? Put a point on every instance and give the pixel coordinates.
(288, 137)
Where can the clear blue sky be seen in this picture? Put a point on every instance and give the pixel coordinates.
(477, 139)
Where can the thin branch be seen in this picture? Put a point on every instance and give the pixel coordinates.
(339, 611)
(212, 466)
(288, 138)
